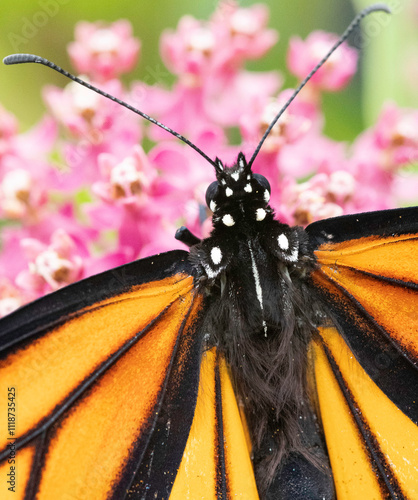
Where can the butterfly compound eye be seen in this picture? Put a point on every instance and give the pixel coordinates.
(211, 193)
(264, 183)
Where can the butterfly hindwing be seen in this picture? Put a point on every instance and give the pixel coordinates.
(368, 279)
(105, 372)
(218, 440)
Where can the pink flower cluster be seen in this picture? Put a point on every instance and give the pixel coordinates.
(93, 186)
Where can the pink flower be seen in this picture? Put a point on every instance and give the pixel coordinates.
(181, 109)
(127, 181)
(321, 197)
(380, 152)
(208, 59)
(337, 71)
(104, 51)
(50, 266)
(188, 52)
(200, 50)
(396, 134)
(223, 95)
(132, 202)
(294, 146)
(242, 33)
(295, 123)
(196, 112)
(21, 196)
(97, 125)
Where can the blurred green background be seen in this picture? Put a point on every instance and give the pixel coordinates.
(389, 59)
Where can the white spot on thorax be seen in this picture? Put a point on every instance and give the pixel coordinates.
(283, 242)
(235, 176)
(248, 188)
(228, 220)
(258, 289)
(260, 214)
(216, 255)
(212, 205)
(229, 192)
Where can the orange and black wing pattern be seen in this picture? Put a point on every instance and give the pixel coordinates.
(366, 365)
(216, 461)
(113, 396)
(103, 376)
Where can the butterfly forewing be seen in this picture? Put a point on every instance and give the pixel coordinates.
(128, 362)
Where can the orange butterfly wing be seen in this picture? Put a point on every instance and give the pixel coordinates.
(366, 368)
(97, 387)
(106, 374)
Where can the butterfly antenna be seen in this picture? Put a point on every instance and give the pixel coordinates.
(30, 58)
(356, 21)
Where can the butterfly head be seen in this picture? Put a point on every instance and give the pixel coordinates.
(237, 188)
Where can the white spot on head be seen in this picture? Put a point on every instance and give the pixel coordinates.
(220, 166)
(216, 255)
(248, 177)
(248, 188)
(260, 214)
(228, 220)
(241, 162)
(266, 196)
(235, 176)
(229, 192)
(283, 242)
(212, 205)
(223, 182)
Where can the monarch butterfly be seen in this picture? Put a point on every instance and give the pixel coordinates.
(140, 364)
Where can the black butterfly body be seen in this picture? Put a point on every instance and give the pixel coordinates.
(261, 310)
